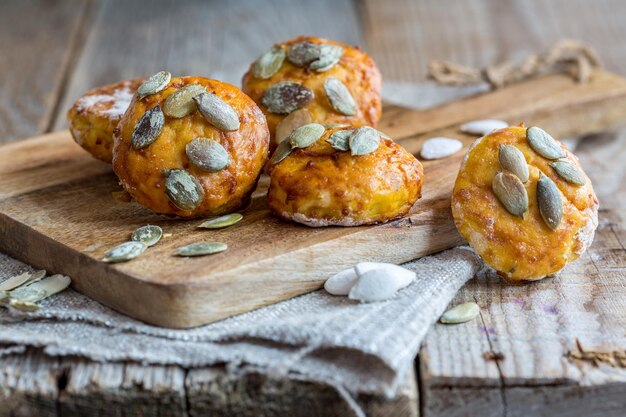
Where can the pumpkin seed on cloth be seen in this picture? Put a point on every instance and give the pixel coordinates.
(149, 235)
(181, 103)
(25, 306)
(21, 279)
(286, 96)
(440, 147)
(201, 249)
(217, 112)
(207, 154)
(340, 140)
(364, 140)
(269, 63)
(41, 289)
(283, 150)
(290, 123)
(301, 54)
(328, 57)
(124, 252)
(379, 281)
(306, 135)
(339, 96)
(183, 189)
(511, 193)
(569, 172)
(222, 221)
(513, 160)
(550, 202)
(148, 128)
(483, 127)
(543, 143)
(461, 313)
(154, 84)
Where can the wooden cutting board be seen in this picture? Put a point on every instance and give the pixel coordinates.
(57, 212)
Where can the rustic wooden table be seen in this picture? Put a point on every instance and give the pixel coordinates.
(520, 359)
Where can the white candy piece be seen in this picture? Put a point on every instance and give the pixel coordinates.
(342, 282)
(437, 148)
(483, 127)
(379, 281)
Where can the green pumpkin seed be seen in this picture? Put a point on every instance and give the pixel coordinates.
(569, 172)
(27, 293)
(513, 160)
(549, 202)
(124, 252)
(202, 248)
(329, 56)
(148, 235)
(183, 189)
(207, 154)
(543, 143)
(180, 103)
(306, 135)
(148, 128)
(461, 313)
(340, 140)
(217, 112)
(339, 96)
(511, 193)
(285, 97)
(222, 221)
(384, 135)
(25, 306)
(154, 84)
(39, 290)
(283, 150)
(25, 278)
(364, 140)
(302, 54)
(290, 123)
(269, 63)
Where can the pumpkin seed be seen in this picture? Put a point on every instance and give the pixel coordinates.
(124, 252)
(183, 189)
(440, 147)
(384, 135)
(148, 128)
(510, 191)
(364, 140)
(217, 112)
(148, 235)
(334, 125)
(513, 160)
(483, 127)
(549, 202)
(329, 56)
(290, 123)
(306, 135)
(27, 293)
(283, 150)
(222, 221)
(25, 306)
(339, 96)
(180, 103)
(302, 54)
(25, 278)
(269, 63)
(461, 313)
(207, 154)
(543, 143)
(154, 84)
(202, 248)
(340, 140)
(285, 97)
(49, 286)
(569, 172)
(4, 297)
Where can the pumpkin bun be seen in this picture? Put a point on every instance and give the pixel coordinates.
(95, 115)
(524, 204)
(190, 146)
(310, 79)
(342, 177)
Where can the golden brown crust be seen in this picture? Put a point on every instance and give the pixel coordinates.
(355, 69)
(520, 248)
(321, 186)
(94, 116)
(141, 170)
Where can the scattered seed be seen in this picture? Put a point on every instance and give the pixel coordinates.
(339, 96)
(180, 103)
(269, 63)
(4, 297)
(27, 293)
(543, 143)
(217, 112)
(283, 150)
(569, 172)
(149, 235)
(377, 283)
(439, 147)
(154, 84)
(183, 189)
(461, 313)
(549, 202)
(513, 160)
(483, 127)
(25, 306)
(364, 140)
(285, 97)
(290, 123)
(124, 252)
(207, 154)
(222, 221)
(202, 248)
(21, 279)
(48, 286)
(148, 128)
(329, 56)
(306, 135)
(340, 140)
(342, 282)
(302, 54)
(510, 191)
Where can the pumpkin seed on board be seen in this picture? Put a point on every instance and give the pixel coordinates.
(513, 160)
(544, 144)
(154, 84)
(222, 221)
(301, 54)
(340, 140)
(328, 58)
(201, 249)
(483, 127)
(285, 97)
(21, 279)
(183, 189)
(440, 147)
(283, 150)
(549, 202)
(290, 123)
(207, 154)
(180, 103)
(148, 128)
(569, 172)
(510, 191)
(149, 235)
(124, 252)
(269, 63)
(306, 135)
(460, 314)
(217, 112)
(364, 140)
(339, 96)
